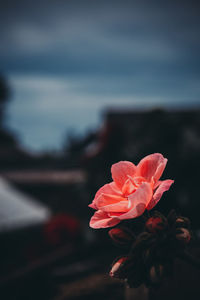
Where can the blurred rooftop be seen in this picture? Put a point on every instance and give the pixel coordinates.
(46, 177)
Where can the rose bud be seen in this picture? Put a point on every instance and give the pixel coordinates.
(183, 235)
(116, 267)
(182, 222)
(156, 274)
(155, 224)
(120, 236)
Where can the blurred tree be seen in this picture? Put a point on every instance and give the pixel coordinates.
(4, 96)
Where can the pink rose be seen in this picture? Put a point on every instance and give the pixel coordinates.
(133, 189)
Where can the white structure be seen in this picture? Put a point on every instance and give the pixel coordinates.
(18, 210)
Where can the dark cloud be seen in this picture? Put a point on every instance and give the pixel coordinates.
(105, 52)
(97, 36)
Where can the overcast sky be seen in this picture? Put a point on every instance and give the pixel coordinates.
(66, 61)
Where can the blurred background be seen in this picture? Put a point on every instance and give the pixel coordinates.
(84, 84)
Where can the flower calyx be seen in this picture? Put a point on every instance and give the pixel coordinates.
(183, 235)
(183, 231)
(121, 236)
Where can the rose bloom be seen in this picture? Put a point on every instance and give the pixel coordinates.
(133, 189)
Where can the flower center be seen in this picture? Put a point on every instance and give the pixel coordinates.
(131, 185)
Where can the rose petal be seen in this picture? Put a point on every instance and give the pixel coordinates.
(138, 201)
(93, 205)
(114, 214)
(109, 188)
(117, 207)
(112, 203)
(163, 187)
(101, 220)
(152, 165)
(106, 199)
(160, 170)
(121, 170)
